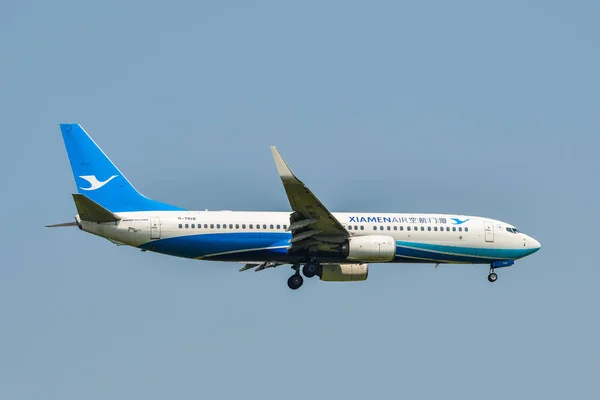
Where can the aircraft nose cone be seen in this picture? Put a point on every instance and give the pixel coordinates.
(534, 244)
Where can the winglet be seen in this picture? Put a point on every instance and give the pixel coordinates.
(285, 173)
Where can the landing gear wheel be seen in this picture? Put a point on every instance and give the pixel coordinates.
(310, 269)
(295, 281)
(492, 277)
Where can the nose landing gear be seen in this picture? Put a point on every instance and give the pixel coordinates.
(493, 277)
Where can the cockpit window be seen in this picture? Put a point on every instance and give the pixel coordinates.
(512, 230)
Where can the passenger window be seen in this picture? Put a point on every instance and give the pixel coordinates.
(193, 226)
(212, 226)
(186, 226)
(355, 227)
(460, 229)
(362, 227)
(389, 228)
(278, 226)
(272, 226)
(205, 226)
(453, 229)
(408, 228)
(429, 228)
(466, 229)
(374, 228)
(395, 228)
(244, 226)
(349, 227)
(218, 226)
(435, 228)
(402, 228)
(237, 226)
(230, 226)
(422, 228)
(284, 227)
(257, 226)
(447, 229)
(381, 228)
(264, 226)
(416, 228)
(180, 226)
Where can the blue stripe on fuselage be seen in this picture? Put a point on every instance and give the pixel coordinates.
(203, 245)
(457, 253)
(249, 246)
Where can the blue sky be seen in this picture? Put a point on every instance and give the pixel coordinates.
(462, 107)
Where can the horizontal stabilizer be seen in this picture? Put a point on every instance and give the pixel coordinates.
(62, 225)
(91, 211)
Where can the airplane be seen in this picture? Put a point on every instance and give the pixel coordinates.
(335, 247)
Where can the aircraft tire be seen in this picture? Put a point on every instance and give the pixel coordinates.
(295, 281)
(492, 277)
(310, 269)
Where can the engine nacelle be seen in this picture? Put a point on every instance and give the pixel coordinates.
(371, 248)
(344, 272)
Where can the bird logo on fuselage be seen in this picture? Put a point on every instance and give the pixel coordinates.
(458, 221)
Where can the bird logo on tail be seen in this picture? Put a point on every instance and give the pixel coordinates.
(94, 182)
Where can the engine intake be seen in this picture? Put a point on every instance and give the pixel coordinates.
(371, 248)
(344, 272)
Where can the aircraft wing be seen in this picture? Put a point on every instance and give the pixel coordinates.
(311, 223)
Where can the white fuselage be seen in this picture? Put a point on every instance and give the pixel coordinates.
(262, 236)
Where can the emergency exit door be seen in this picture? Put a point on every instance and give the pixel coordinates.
(489, 231)
(154, 228)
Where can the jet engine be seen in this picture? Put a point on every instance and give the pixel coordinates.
(371, 248)
(344, 272)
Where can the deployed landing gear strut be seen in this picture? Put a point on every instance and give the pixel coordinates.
(310, 269)
(492, 277)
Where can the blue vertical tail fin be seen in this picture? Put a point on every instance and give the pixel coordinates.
(99, 179)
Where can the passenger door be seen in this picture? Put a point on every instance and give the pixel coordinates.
(489, 231)
(154, 228)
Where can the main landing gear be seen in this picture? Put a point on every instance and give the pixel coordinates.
(295, 281)
(492, 277)
(309, 270)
